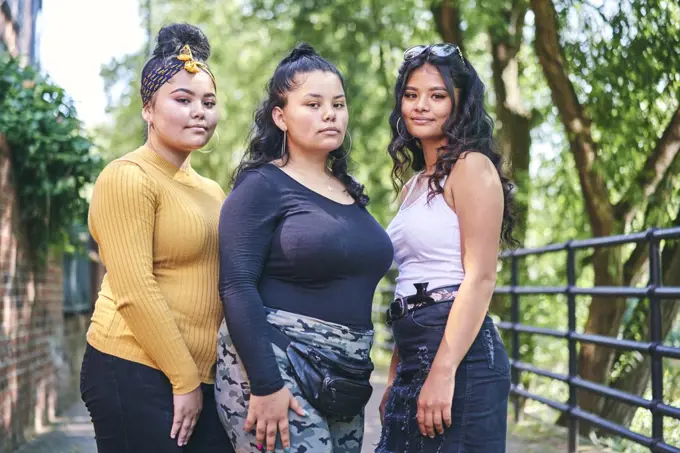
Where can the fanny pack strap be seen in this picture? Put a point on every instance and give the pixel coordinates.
(277, 337)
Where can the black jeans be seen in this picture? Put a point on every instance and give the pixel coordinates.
(480, 400)
(131, 408)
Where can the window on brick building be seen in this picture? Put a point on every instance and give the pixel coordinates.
(78, 274)
(35, 31)
(19, 19)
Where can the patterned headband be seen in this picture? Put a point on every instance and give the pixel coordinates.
(163, 72)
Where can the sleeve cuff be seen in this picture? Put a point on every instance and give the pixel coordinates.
(186, 385)
(268, 389)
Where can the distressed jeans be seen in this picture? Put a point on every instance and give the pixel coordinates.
(480, 400)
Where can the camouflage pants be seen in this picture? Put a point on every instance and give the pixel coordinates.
(314, 433)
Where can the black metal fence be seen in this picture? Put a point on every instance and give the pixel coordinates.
(655, 292)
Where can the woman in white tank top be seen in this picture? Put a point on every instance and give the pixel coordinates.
(449, 378)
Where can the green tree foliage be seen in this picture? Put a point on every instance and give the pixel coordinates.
(624, 63)
(51, 160)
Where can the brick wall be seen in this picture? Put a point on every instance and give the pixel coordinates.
(40, 348)
(8, 34)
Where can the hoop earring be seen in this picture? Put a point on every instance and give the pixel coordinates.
(283, 144)
(214, 147)
(347, 151)
(399, 133)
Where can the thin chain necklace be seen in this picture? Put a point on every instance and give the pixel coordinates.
(328, 177)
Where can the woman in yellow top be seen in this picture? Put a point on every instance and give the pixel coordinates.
(148, 373)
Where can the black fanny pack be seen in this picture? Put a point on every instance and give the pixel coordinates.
(331, 384)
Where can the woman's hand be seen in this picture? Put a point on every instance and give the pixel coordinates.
(394, 363)
(187, 408)
(269, 414)
(435, 402)
(383, 403)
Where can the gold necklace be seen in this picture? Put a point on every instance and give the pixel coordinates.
(328, 186)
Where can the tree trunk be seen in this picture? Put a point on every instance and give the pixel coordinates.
(574, 118)
(604, 318)
(656, 167)
(447, 18)
(605, 314)
(513, 125)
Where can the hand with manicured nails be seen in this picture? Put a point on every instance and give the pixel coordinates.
(269, 415)
(187, 408)
(435, 402)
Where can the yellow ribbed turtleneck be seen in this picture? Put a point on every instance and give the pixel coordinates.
(156, 226)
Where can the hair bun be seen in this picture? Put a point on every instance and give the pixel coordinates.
(301, 50)
(171, 38)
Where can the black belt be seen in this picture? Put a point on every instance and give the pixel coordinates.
(401, 306)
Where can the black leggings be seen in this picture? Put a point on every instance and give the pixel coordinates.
(132, 409)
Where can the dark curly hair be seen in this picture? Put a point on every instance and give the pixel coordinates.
(469, 129)
(265, 139)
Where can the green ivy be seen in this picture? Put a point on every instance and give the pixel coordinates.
(52, 162)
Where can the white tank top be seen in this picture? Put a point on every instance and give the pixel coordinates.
(426, 240)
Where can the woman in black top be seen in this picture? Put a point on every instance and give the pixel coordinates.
(299, 251)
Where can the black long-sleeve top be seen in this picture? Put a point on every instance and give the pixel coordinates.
(285, 246)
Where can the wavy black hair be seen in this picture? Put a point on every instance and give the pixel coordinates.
(469, 129)
(265, 139)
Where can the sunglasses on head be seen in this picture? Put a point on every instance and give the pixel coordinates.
(442, 50)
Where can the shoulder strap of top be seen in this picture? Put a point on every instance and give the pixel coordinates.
(412, 186)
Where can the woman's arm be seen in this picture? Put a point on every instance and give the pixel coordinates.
(248, 220)
(478, 195)
(475, 187)
(122, 218)
(392, 373)
(390, 380)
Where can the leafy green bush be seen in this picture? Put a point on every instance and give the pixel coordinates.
(52, 163)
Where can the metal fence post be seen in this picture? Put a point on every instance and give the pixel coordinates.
(514, 281)
(656, 339)
(573, 358)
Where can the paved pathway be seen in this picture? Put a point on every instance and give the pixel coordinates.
(73, 433)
